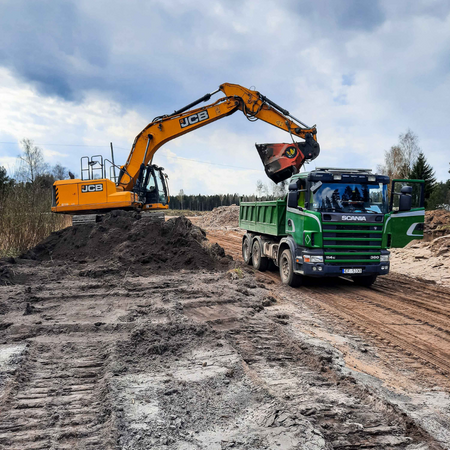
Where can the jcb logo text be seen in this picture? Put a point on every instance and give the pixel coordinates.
(92, 188)
(195, 118)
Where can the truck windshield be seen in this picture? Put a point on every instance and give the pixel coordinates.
(348, 197)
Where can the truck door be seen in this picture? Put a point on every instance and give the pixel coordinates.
(406, 216)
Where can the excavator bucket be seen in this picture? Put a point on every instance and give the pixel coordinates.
(281, 161)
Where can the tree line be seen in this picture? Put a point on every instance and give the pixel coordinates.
(201, 202)
(25, 201)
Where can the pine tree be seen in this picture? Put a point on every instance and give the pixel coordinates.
(421, 170)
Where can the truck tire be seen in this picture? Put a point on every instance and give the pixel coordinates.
(246, 251)
(366, 280)
(259, 262)
(287, 274)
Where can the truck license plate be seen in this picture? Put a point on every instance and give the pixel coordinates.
(352, 271)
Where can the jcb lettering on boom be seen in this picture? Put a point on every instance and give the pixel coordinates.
(92, 188)
(195, 118)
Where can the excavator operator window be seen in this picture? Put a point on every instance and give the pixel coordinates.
(162, 188)
(151, 183)
(151, 187)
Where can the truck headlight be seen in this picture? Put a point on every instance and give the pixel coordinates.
(384, 258)
(306, 258)
(317, 259)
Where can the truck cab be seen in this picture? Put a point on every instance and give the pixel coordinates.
(333, 222)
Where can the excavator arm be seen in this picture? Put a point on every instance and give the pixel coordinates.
(278, 165)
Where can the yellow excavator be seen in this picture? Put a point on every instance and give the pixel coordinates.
(142, 186)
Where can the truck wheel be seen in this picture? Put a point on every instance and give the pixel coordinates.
(259, 262)
(246, 253)
(287, 270)
(366, 280)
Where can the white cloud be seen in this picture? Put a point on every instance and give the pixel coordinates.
(64, 130)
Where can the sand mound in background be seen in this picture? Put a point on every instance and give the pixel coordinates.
(221, 217)
(424, 260)
(133, 242)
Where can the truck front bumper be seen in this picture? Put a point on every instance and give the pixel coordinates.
(328, 270)
(318, 269)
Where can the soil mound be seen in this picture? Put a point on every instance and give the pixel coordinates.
(133, 242)
(437, 221)
(424, 260)
(221, 217)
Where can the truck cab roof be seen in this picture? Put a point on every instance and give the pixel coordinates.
(344, 175)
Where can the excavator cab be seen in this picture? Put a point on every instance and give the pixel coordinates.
(152, 187)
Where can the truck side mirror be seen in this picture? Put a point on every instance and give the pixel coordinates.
(292, 200)
(405, 201)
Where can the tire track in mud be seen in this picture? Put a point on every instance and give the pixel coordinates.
(59, 400)
(348, 416)
(414, 331)
(410, 316)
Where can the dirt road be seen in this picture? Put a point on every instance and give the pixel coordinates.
(413, 316)
(94, 358)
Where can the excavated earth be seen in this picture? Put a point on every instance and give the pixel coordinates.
(131, 334)
(222, 217)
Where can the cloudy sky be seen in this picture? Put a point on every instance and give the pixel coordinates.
(76, 75)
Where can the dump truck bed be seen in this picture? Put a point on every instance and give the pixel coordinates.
(264, 217)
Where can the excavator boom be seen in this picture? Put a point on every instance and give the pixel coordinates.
(254, 106)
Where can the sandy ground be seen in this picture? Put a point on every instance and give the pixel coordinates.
(218, 357)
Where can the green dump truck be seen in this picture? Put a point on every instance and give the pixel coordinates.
(333, 222)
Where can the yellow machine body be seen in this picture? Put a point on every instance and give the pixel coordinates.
(81, 196)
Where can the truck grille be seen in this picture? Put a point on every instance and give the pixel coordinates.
(352, 243)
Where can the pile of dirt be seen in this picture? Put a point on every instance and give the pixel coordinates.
(437, 221)
(126, 240)
(221, 217)
(424, 260)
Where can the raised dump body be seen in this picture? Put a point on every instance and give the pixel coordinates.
(333, 222)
